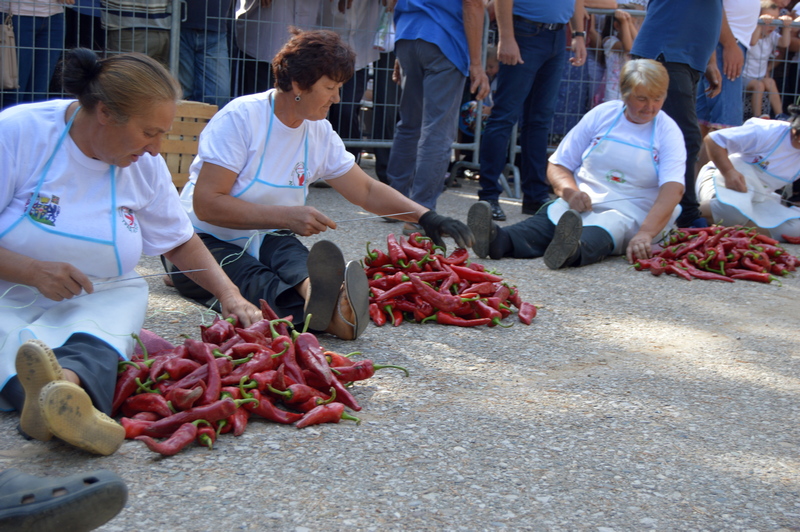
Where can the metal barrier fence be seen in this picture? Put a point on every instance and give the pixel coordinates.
(221, 49)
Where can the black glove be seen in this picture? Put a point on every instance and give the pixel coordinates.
(436, 226)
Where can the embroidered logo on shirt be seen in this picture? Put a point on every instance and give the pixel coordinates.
(616, 176)
(128, 219)
(761, 162)
(299, 174)
(45, 210)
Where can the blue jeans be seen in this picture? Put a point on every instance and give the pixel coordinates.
(432, 87)
(40, 42)
(530, 88)
(727, 108)
(205, 66)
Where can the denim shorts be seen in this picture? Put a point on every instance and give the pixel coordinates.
(727, 108)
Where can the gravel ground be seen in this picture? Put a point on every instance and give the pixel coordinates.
(633, 402)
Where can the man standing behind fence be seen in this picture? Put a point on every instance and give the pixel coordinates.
(531, 50)
(205, 62)
(438, 43)
(138, 26)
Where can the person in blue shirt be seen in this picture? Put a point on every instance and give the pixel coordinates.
(438, 44)
(682, 34)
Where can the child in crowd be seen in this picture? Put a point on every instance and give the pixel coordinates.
(619, 33)
(466, 124)
(756, 72)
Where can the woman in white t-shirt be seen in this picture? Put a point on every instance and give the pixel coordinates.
(749, 165)
(619, 175)
(85, 193)
(248, 184)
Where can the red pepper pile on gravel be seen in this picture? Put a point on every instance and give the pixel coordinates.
(201, 389)
(415, 281)
(722, 254)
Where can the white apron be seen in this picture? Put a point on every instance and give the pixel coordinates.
(111, 313)
(262, 190)
(622, 180)
(760, 203)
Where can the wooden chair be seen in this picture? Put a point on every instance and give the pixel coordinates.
(179, 146)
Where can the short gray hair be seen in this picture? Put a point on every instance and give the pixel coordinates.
(646, 73)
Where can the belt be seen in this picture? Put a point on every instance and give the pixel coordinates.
(541, 25)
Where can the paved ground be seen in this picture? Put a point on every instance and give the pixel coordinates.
(632, 403)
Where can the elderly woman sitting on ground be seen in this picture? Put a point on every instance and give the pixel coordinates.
(748, 164)
(618, 175)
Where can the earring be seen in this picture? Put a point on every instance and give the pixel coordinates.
(297, 98)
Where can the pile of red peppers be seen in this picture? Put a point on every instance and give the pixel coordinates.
(196, 391)
(415, 281)
(721, 253)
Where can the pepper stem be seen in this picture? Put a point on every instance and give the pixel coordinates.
(345, 415)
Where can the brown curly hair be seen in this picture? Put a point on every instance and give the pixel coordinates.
(309, 55)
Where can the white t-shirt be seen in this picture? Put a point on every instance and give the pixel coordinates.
(31, 8)
(149, 216)
(755, 139)
(667, 140)
(759, 54)
(615, 59)
(742, 18)
(262, 31)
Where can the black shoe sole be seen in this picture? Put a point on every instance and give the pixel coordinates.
(479, 220)
(566, 240)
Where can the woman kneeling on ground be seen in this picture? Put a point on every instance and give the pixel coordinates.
(85, 192)
(247, 191)
(748, 164)
(618, 175)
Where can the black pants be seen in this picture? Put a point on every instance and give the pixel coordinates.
(272, 277)
(530, 238)
(681, 106)
(92, 359)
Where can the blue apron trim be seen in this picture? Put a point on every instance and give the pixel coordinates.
(766, 158)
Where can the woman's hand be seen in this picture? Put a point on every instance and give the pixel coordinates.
(734, 180)
(307, 221)
(640, 247)
(577, 200)
(60, 280)
(235, 305)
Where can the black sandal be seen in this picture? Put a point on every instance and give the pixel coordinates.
(75, 503)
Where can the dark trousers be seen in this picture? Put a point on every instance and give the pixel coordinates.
(344, 116)
(530, 238)
(92, 359)
(272, 277)
(680, 105)
(385, 95)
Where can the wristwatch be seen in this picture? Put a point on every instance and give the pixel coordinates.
(578, 34)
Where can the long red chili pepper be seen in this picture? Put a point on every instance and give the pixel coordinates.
(184, 399)
(146, 402)
(311, 356)
(288, 359)
(202, 352)
(443, 302)
(265, 408)
(178, 368)
(134, 427)
(335, 359)
(527, 311)
(396, 253)
(791, 239)
(157, 367)
(446, 318)
(473, 275)
(362, 370)
(219, 331)
(297, 393)
(327, 413)
(206, 436)
(211, 412)
(183, 436)
(266, 311)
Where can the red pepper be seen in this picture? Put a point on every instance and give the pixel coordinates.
(146, 402)
(126, 383)
(134, 427)
(702, 274)
(206, 436)
(755, 276)
(473, 275)
(146, 416)
(182, 437)
(266, 311)
(766, 240)
(261, 361)
(335, 359)
(212, 413)
(202, 352)
(396, 253)
(439, 300)
(485, 311)
(157, 367)
(288, 358)
(413, 252)
(791, 239)
(672, 267)
(224, 365)
(515, 297)
(238, 420)
(396, 291)
(311, 356)
(397, 315)
(446, 318)
(178, 368)
(219, 331)
(750, 264)
(376, 258)
(527, 311)
(184, 399)
(265, 408)
(377, 315)
(362, 370)
(264, 378)
(297, 393)
(416, 239)
(244, 349)
(458, 256)
(327, 413)
(344, 396)
(254, 337)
